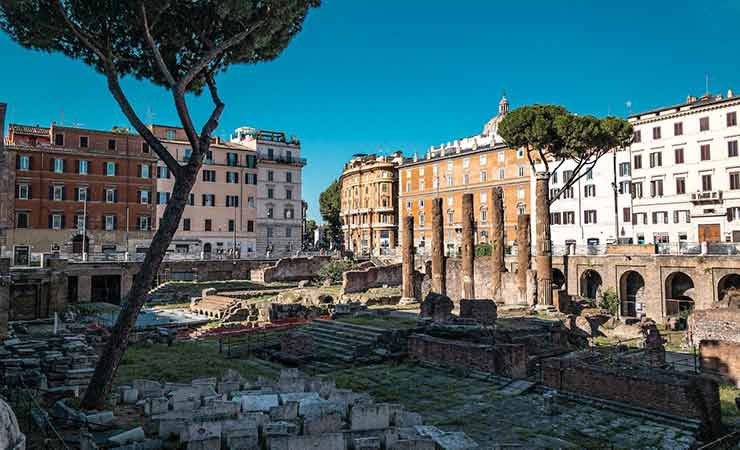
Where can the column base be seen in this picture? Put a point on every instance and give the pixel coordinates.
(407, 301)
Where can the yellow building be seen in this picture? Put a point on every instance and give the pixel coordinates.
(369, 199)
(474, 164)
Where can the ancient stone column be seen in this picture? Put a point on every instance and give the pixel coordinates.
(523, 248)
(439, 282)
(407, 259)
(543, 255)
(468, 247)
(497, 242)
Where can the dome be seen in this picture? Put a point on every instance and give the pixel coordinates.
(491, 128)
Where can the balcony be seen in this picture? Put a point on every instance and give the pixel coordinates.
(282, 160)
(706, 197)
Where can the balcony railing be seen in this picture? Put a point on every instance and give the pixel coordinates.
(706, 197)
(283, 159)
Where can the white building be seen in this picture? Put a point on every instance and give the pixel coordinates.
(585, 213)
(686, 172)
(279, 211)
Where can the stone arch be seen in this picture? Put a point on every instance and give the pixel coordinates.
(591, 282)
(729, 284)
(631, 292)
(558, 279)
(679, 293)
(207, 247)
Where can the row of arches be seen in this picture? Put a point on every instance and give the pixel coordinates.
(679, 290)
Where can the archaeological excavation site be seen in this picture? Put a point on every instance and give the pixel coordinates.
(414, 351)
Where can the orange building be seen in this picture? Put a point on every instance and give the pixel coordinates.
(369, 200)
(474, 164)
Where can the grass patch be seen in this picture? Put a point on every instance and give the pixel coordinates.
(181, 363)
(727, 396)
(385, 322)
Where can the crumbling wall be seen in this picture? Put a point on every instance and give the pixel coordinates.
(672, 392)
(722, 324)
(291, 269)
(482, 311)
(482, 267)
(362, 280)
(297, 344)
(721, 358)
(507, 360)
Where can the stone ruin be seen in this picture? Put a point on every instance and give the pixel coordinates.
(717, 334)
(11, 437)
(294, 412)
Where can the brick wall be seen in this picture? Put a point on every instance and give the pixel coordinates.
(484, 311)
(721, 358)
(684, 395)
(722, 324)
(362, 280)
(293, 269)
(506, 360)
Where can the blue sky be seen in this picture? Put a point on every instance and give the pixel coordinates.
(369, 76)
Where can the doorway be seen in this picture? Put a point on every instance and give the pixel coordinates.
(709, 233)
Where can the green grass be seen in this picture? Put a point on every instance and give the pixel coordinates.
(727, 396)
(181, 363)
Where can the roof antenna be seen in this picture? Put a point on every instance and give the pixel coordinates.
(150, 115)
(706, 83)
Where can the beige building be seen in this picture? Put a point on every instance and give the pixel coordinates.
(369, 193)
(220, 218)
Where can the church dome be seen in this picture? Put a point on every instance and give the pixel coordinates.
(491, 128)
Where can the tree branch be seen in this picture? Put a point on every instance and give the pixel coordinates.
(544, 160)
(212, 123)
(157, 54)
(81, 35)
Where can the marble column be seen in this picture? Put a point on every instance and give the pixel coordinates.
(497, 243)
(543, 255)
(523, 243)
(439, 282)
(468, 247)
(407, 255)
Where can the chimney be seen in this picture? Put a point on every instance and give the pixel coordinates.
(3, 108)
(730, 94)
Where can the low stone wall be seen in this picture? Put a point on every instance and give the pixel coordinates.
(676, 393)
(506, 360)
(291, 269)
(721, 358)
(482, 267)
(636, 249)
(374, 277)
(483, 311)
(722, 324)
(297, 344)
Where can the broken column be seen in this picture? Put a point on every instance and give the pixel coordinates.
(438, 248)
(497, 243)
(543, 255)
(468, 247)
(407, 275)
(523, 243)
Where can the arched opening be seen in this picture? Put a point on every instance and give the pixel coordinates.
(679, 293)
(631, 290)
(77, 242)
(729, 284)
(558, 279)
(590, 284)
(207, 247)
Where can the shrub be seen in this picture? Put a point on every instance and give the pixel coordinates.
(483, 250)
(334, 269)
(609, 301)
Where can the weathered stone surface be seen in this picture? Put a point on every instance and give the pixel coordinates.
(438, 248)
(10, 433)
(468, 246)
(292, 269)
(370, 417)
(327, 441)
(374, 277)
(407, 260)
(482, 311)
(436, 307)
(287, 411)
(497, 243)
(258, 402)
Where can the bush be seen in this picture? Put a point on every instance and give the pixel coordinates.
(334, 269)
(609, 301)
(483, 250)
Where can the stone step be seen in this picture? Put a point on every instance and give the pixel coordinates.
(340, 335)
(351, 328)
(339, 346)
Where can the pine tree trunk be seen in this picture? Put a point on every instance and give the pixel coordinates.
(105, 371)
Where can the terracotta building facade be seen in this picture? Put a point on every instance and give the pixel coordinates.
(78, 189)
(475, 165)
(369, 203)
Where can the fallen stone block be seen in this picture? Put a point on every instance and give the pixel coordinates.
(280, 428)
(201, 431)
(129, 395)
(367, 443)
(148, 388)
(258, 402)
(158, 405)
(330, 441)
(101, 418)
(303, 399)
(127, 437)
(369, 417)
(287, 411)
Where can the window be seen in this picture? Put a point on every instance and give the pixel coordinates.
(501, 173)
(680, 185)
(163, 198)
(232, 159)
(111, 144)
(187, 153)
(209, 176)
(520, 153)
(734, 180)
(656, 188)
(637, 136)
(250, 202)
(732, 149)
(289, 178)
(110, 169)
(589, 216)
(208, 199)
(519, 194)
(24, 162)
(163, 172)
(656, 159)
(270, 175)
(706, 182)
(422, 218)
(678, 128)
(422, 184)
(270, 193)
(145, 169)
(704, 124)
(656, 132)
(289, 194)
(567, 175)
(569, 217)
(466, 164)
(624, 169)
(58, 193)
(250, 226)
(288, 213)
(208, 225)
(638, 162)
(143, 223)
(59, 139)
(58, 165)
(483, 197)
(590, 174)
(624, 187)
(270, 212)
(232, 225)
(637, 190)
(483, 176)
(110, 195)
(57, 222)
(170, 134)
(144, 147)
(81, 194)
(555, 218)
(250, 178)
(232, 201)
(678, 155)
(24, 192)
(705, 152)
(232, 177)
(84, 142)
(21, 220)
(483, 159)
(733, 213)
(466, 179)
(270, 153)
(110, 222)
(731, 119)
(567, 193)
(501, 156)
(144, 197)
(191, 199)
(270, 232)
(660, 217)
(626, 215)
(186, 224)
(520, 171)
(83, 167)
(589, 190)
